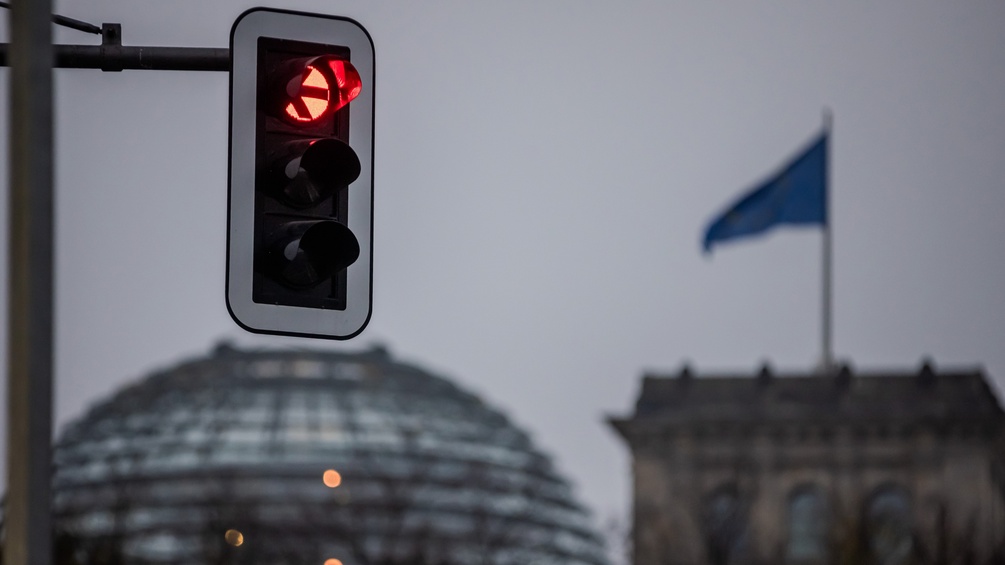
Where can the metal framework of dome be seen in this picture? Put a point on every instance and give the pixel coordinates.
(223, 460)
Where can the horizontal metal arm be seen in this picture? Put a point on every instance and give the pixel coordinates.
(118, 58)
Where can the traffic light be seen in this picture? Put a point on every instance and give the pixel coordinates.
(301, 174)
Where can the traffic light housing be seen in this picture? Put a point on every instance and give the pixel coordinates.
(301, 174)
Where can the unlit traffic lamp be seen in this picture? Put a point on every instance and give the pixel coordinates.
(301, 174)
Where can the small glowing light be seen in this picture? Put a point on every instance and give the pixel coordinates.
(234, 537)
(332, 561)
(332, 478)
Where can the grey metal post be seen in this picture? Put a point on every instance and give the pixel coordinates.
(827, 361)
(28, 512)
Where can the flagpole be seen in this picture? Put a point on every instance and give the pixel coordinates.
(827, 360)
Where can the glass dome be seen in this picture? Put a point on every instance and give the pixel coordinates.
(293, 457)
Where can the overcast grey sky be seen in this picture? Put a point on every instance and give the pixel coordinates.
(543, 173)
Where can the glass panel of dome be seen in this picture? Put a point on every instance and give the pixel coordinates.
(176, 458)
(307, 369)
(156, 545)
(258, 415)
(241, 435)
(296, 401)
(348, 371)
(266, 369)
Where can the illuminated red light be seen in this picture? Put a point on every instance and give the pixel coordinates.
(317, 92)
(312, 97)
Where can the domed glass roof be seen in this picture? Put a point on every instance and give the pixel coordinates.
(310, 457)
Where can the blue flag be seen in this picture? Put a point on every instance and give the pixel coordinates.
(795, 195)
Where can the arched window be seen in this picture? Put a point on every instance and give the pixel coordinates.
(808, 526)
(725, 523)
(889, 524)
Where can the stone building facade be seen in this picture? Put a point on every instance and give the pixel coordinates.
(883, 468)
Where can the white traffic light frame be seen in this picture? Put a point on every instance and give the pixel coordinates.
(280, 319)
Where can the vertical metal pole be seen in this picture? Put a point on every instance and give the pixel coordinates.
(28, 514)
(827, 360)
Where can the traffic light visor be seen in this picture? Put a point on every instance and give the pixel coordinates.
(348, 81)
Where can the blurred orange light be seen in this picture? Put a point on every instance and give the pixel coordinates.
(332, 478)
(332, 561)
(234, 537)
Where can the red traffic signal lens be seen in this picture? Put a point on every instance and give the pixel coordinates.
(310, 93)
(325, 85)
